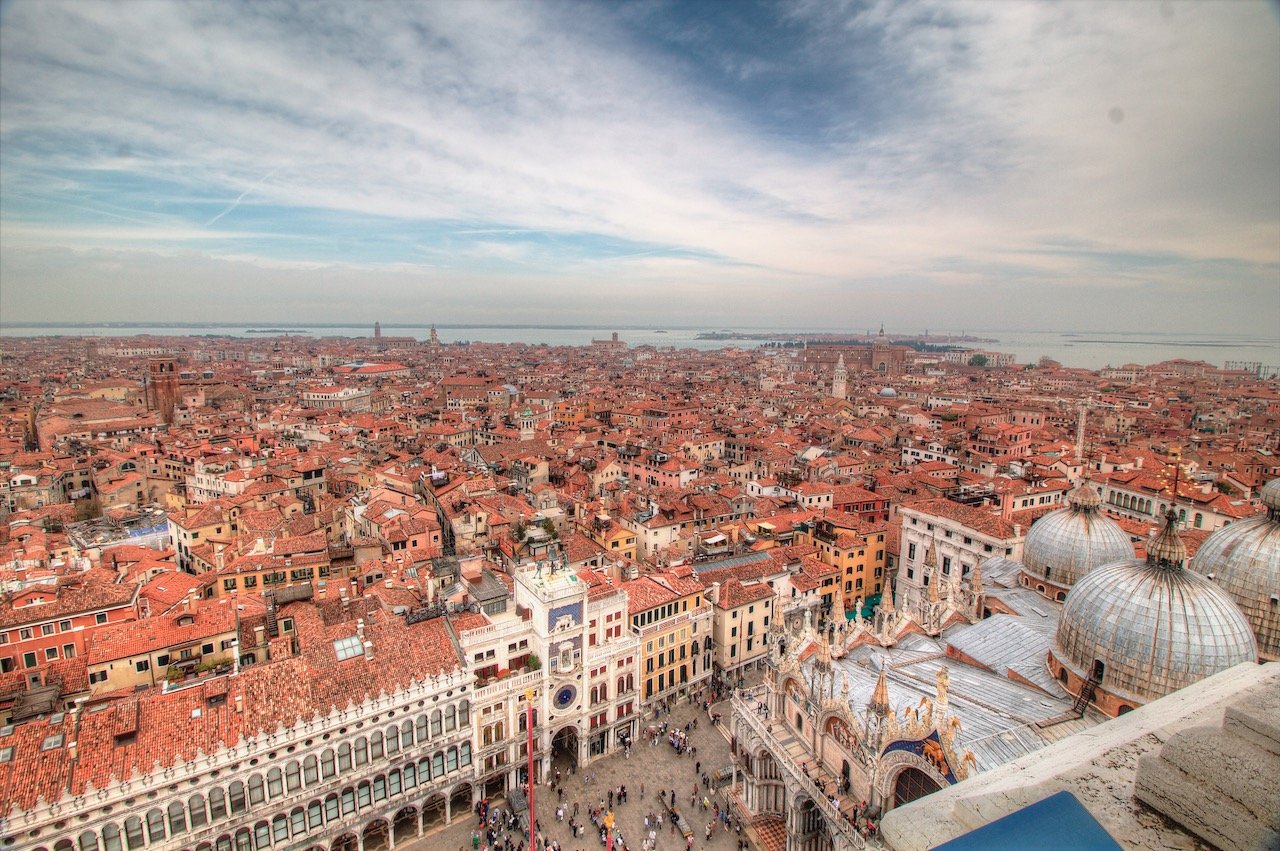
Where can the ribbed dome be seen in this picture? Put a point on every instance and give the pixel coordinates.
(1155, 626)
(1074, 540)
(1243, 559)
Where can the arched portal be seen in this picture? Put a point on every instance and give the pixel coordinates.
(564, 747)
(912, 783)
(346, 842)
(405, 824)
(433, 812)
(377, 835)
(460, 801)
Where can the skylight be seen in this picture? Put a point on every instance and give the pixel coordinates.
(348, 648)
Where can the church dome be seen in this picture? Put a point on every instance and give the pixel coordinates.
(888, 393)
(1243, 559)
(1153, 626)
(1065, 544)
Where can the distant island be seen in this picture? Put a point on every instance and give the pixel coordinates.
(277, 331)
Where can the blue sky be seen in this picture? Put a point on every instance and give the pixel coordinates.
(818, 164)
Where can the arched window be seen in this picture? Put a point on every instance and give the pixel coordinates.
(237, 797)
(293, 776)
(315, 815)
(344, 757)
(257, 789)
(348, 801)
(310, 770)
(420, 729)
(464, 713)
(195, 806)
(375, 746)
(465, 754)
(64, 845)
(363, 796)
(275, 783)
(217, 804)
(244, 840)
(279, 828)
(88, 841)
(393, 740)
(394, 784)
(450, 718)
(177, 817)
(328, 764)
(223, 843)
(379, 788)
(410, 776)
(155, 825)
(331, 808)
(262, 834)
(133, 833)
(362, 751)
(111, 838)
(451, 760)
(406, 734)
(437, 765)
(1199, 520)
(298, 821)
(437, 720)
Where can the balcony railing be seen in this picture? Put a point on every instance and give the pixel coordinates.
(837, 823)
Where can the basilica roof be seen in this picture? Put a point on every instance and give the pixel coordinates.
(1243, 559)
(1066, 544)
(1154, 626)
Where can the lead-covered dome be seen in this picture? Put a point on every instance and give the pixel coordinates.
(1069, 542)
(1153, 626)
(1243, 559)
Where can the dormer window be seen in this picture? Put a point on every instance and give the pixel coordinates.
(186, 620)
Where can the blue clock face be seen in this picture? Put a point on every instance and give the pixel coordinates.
(564, 696)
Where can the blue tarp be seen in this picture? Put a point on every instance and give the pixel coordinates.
(1058, 821)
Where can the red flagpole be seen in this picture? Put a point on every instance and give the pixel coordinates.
(533, 819)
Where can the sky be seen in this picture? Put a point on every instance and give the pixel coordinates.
(824, 164)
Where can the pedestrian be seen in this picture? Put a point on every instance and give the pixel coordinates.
(697, 767)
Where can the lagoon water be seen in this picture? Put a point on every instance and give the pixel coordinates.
(1088, 349)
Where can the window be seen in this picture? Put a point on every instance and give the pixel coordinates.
(142, 665)
(24, 633)
(257, 790)
(29, 659)
(217, 805)
(195, 807)
(177, 818)
(50, 653)
(46, 629)
(133, 833)
(275, 783)
(100, 617)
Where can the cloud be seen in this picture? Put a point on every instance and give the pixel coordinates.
(814, 154)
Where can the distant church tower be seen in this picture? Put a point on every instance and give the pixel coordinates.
(162, 387)
(839, 380)
(377, 330)
(435, 338)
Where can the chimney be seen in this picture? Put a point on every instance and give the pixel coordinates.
(239, 704)
(259, 636)
(1017, 530)
(713, 593)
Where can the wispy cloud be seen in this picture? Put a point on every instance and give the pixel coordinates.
(833, 154)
